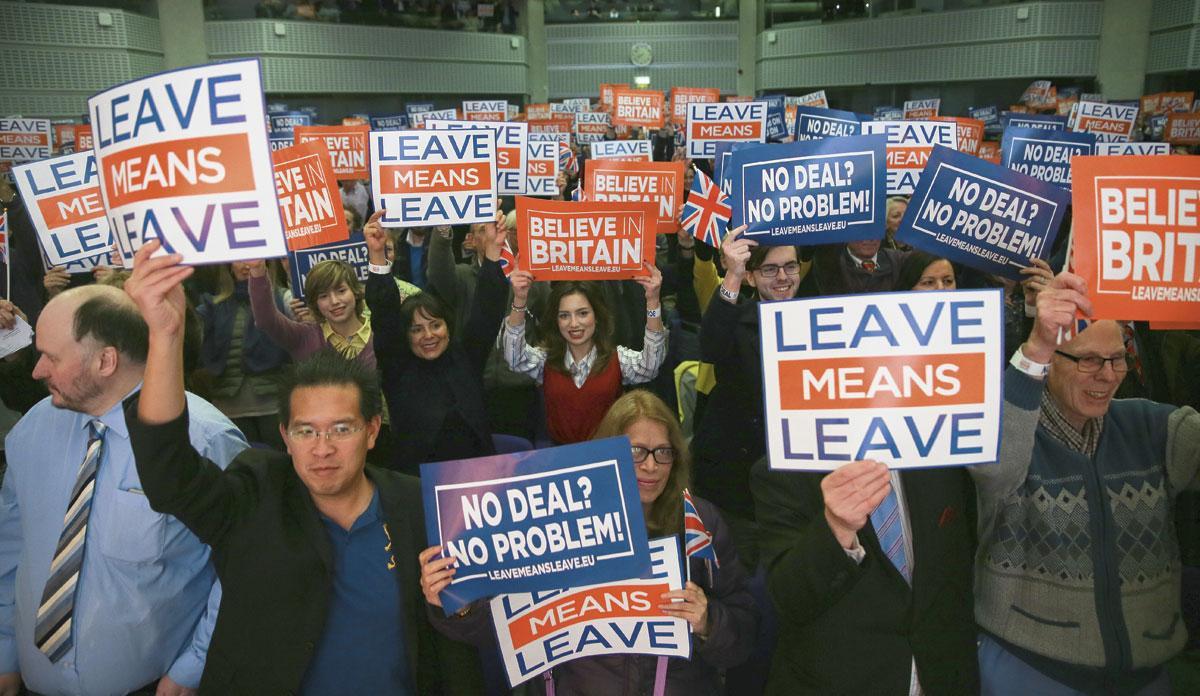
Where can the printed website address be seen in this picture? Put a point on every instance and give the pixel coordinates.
(537, 569)
(585, 269)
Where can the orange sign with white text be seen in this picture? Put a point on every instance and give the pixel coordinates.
(1136, 237)
(969, 132)
(1182, 129)
(637, 107)
(658, 183)
(309, 200)
(586, 240)
(347, 147)
(682, 96)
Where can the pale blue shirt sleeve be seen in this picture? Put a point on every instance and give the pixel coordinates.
(10, 554)
(219, 445)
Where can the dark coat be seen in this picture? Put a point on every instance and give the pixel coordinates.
(729, 437)
(273, 558)
(848, 628)
(422, 393)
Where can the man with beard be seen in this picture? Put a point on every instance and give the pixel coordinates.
(134, 613)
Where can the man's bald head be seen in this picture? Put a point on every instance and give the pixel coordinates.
(104, 315)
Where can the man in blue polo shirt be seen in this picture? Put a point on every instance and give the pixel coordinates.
(317, 554)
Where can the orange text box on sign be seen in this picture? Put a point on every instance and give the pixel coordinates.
(882, 381)
(197, 166)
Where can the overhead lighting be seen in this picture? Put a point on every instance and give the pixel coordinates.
(642, 80)
(718, 10)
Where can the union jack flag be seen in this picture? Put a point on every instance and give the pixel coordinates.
(567, 160)
(577, 193)
(508, 261)
(697, 540)
(706, 213)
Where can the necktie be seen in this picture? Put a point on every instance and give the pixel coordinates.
(868, 266)
(890, 530)
(52, 633)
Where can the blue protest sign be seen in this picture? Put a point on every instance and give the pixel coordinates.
(284, 123)
(353, 251)
(813, 123)
(988, 114)
(981, 214)
(418, 108)
(280, 142)
(720, 161)
(539, 520)
(1042, 121)
(386, 123)
(312, 111)
(888, 113)
(776, 117)
(814, 192)
(1044, 155)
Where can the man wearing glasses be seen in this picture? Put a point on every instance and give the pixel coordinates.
(317, 554)
(1078, 573)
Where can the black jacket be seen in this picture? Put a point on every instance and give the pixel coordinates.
(848, 628)
(730, 436)
(273, 558)
(421, 394)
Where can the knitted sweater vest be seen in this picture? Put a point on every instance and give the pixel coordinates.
(572, 413)
(1083, 565)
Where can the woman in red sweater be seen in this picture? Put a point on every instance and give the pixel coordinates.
(579, 368)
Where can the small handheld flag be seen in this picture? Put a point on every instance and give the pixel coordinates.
(706, 213)
(508, 261)
(567, 160)
(697, 540)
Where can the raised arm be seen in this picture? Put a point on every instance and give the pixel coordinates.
(176, 479)
(809, 527)
(521, 357)
(383, 297)
(286, 333)
(717, 342)
(1057, 306)
(443, 278)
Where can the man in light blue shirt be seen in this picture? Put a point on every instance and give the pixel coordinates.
(140, 610)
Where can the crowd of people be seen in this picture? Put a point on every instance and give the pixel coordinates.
(248, 501)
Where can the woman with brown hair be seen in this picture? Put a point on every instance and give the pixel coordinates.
(580, 370)
(718, 605)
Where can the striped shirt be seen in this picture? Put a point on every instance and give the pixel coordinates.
(637, 367)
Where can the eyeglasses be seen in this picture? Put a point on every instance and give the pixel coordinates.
(1089, 364)
(341, 431)
(662, 455)
(771, 270)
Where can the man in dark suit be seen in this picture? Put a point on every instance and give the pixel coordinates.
(317, 554)
(857, 616)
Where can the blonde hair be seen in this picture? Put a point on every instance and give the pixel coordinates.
(666, 512)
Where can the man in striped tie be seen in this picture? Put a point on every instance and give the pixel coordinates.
(98, 593)
(870, 571)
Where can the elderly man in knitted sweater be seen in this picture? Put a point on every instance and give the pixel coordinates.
(1077, 578)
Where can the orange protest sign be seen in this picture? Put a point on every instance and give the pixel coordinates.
(1175, 325)
(557, 125)
(309, 200)
(588, 240)
(606, 94)
(537, 112)
(968, 130)
(347, 147)
(83, 138)
(1137, 235)
(1167, 102)
(355, 121)
(637, 107)
(658, 183)
(1182, 129)
(682, 96)
(989, 150)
